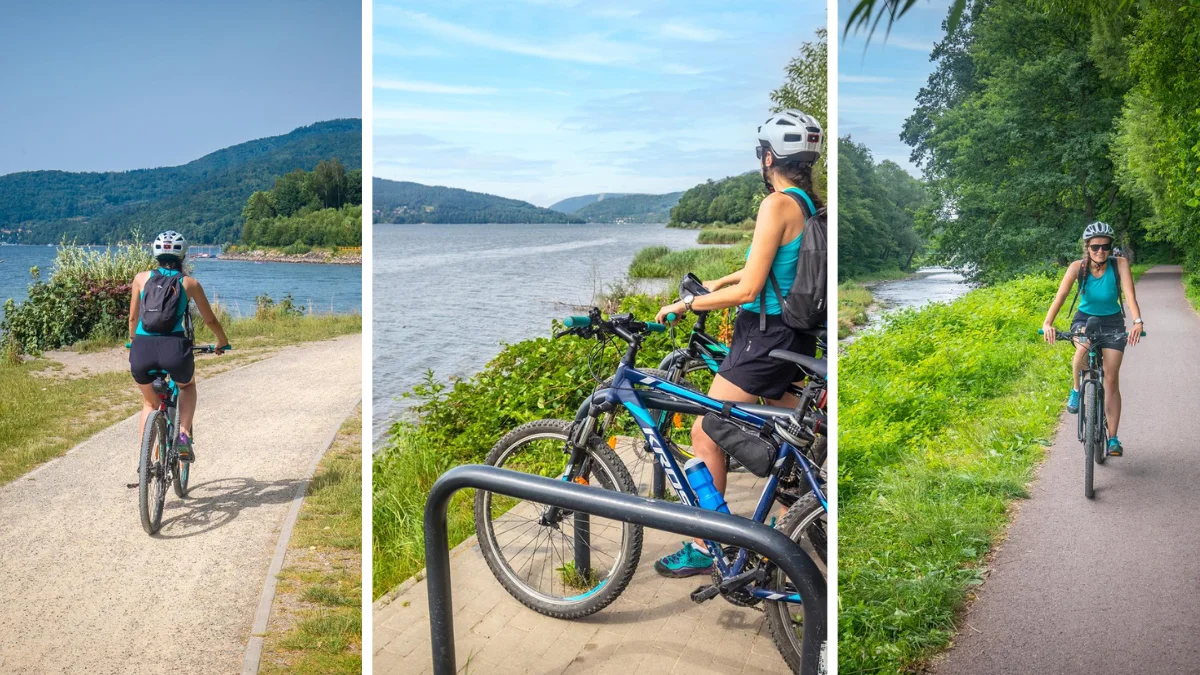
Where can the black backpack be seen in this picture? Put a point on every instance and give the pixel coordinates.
(160, 302)
(805, 303)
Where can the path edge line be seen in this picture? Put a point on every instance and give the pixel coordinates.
(252, 657)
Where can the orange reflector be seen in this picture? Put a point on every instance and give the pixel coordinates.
(678, 421)
(612, 442)
(581, 480)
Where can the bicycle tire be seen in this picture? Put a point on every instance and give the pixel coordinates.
(182, 471)
(151, 488)
(1088, 401)
(805, 523)
(1101, 450)
(609, 472)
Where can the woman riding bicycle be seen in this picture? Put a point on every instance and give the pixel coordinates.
(1101, 283)
(168, 350)
(789, 145)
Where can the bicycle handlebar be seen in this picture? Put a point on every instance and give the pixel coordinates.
(622, 325)
(204, 349)
(577, 322)
(1067, 335)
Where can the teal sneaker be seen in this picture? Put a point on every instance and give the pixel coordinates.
(1114, 447)
(1073, 402)
(686, 562)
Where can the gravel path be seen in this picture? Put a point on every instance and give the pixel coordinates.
(1110, 585)
(86, 590)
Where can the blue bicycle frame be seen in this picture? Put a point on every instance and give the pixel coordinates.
(633, 388)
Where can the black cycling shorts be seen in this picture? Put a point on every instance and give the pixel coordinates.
(749, 364)
(170, 353)
(1109, 324)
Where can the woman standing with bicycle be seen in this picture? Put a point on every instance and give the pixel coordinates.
(1102, 279)
(160, 329)
(789, 145)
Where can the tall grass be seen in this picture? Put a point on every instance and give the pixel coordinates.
(717, 235)
(706, 263)
(942, 416)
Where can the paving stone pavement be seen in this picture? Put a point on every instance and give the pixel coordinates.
(654, 627)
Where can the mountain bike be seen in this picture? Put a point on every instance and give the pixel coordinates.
(704, 354)
(1092, 426)
(570, 565)
(158, 459)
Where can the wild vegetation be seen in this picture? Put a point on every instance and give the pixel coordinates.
(878, 207)
(204, 196)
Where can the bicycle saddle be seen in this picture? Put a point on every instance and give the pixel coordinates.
(819, 367)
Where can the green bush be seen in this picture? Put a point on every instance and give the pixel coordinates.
(658, 262)
(722, 235)
(298, 248)
(86, 297)
(268, 309)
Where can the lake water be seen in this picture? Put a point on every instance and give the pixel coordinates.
(235, 283)
(447, 296)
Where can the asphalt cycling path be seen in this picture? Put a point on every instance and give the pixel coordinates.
(1110, 585)
(83, 588)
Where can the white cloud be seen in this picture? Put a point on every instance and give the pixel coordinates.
(386, 48)
(680, 30)
(591, 49)
(889, 105)
(459, 120)
(900, 42)
(430, 87)
(864, 79)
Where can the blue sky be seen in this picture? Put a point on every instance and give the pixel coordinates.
(93, 86)
(545, 99)
(877, 88)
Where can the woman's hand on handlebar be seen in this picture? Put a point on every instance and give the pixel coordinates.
(221, 348)
(1048, 332)
(676, 308)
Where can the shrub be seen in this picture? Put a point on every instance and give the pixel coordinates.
(298, 248)
(86, 297)
(268, 309)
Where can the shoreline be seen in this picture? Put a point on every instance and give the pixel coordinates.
(311, 258)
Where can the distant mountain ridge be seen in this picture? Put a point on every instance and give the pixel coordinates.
(203, 198)
(406, 202)
(573, 204)
(631, 208)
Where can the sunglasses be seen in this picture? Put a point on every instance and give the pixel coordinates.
(1096, 248)
(758, 151)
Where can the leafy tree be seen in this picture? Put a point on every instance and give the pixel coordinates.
(877, 205)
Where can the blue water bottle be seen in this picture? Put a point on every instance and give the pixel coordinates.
(699, 477)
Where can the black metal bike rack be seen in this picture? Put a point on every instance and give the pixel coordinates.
(685, 520)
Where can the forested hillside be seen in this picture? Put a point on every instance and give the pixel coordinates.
(573, 204)
(405, 202)
(635, 208)
(204, 198)
(318, 208)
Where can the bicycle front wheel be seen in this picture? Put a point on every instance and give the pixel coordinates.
(805, 523)
(559, 563)
(152, 487)
(1091, 438)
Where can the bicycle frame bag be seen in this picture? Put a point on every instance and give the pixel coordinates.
(804, 305)
(160, 302)
(755, 450)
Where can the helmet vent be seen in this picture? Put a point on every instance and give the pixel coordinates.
(792, 138)
(785, 123)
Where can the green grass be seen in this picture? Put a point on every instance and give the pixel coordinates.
(43, 417)
(943, 414)
(316, 621)
(720, 235)
(853, 301)
(657, 262)
(404, 472)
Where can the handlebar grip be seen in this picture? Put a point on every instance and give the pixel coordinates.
(1041, 331)
(671, 317)
(655, 327)
(129, 345)
(577, 321)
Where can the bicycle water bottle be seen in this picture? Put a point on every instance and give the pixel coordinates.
(701, 480)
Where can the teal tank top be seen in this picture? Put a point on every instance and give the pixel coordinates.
(784, 268)
(1100, 297)
(183, 306)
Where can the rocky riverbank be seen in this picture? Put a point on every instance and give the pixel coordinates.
(312, 257)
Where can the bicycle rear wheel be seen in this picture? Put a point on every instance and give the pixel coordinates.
(152, 487)
(805, 523)
(559, 563)
(1101, 449)
(1090, 441)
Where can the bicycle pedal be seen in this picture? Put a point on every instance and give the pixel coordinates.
(706, 592)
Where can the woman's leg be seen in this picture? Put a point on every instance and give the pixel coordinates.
(187, 406)
(706, 448)
(149, 404)
(1078, 363)
(1112, 389)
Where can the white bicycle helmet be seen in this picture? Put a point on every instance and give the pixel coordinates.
(170, 243)
(1098, 229)
(791, 135)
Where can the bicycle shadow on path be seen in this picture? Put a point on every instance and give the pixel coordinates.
(216, 503)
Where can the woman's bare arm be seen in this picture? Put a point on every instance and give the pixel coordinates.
(1126, 274)
(135, 301)
(768, 233)
(196, 293)
(1064, 287)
